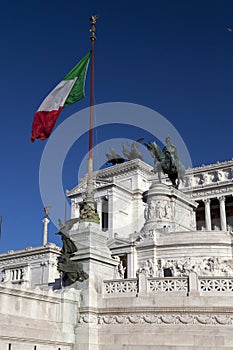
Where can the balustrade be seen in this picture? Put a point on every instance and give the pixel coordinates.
(215, 285)
(168, 284)
(190, 285)
(121, 286)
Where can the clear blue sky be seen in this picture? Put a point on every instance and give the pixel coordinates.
(174, 56)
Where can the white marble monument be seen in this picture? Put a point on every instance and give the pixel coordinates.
(160, 266)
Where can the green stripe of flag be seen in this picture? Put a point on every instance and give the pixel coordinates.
(79, 71)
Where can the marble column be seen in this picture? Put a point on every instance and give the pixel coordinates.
(207, 214)
(99, 209)
(223, 220)
(110, 213)
(132, 262)
(45, 231)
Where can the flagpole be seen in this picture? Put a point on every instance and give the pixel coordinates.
(93, 38)
(88, 213)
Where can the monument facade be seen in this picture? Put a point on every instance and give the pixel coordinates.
(158, 267)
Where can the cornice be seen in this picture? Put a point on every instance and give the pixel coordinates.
(29, 254)
(110, 175)
(125, 168)
(208, 167)
(210, 191)
(81, 187)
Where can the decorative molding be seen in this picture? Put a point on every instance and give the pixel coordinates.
(158, 318)
(159, 209)
(205, 266)
(211, 192)
(81, 188)
(213, 166)
(88, 318)
(23, 259)
(126, 167)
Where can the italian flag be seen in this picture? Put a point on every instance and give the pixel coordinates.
(67, 92)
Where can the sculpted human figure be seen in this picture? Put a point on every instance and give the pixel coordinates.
(190, 181)
(46, 210)
(219, 175)
(121, 270)
(211, 264)
(226, 269)
(147, 268)
(151, 210)
(146, 212)
(171, 148)
(204, 267)
(205, 178)
(230, 175)
(150, 267)
(72, 271)
(69, 246)
(159, 209)
(198, 180)
(168, 211)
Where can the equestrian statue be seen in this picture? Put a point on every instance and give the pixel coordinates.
(167, 162)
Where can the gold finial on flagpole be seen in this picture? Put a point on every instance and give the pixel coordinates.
(93, 20)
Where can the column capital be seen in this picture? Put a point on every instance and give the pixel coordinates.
(110, 192)
(206, 200)
(221, 198)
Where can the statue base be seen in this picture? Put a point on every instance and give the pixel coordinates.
(168, 210)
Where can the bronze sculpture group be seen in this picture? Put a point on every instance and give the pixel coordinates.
(71, 270)
(166, 159)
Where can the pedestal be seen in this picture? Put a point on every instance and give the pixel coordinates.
(169, 210)
(96, 260)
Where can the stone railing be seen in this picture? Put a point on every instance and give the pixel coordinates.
(122, 286)
(216, 285)
(186, 286)
(143, 284)
(171, 284)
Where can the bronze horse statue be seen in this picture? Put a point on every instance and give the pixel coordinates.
(163, 160)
